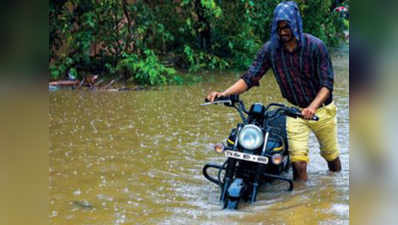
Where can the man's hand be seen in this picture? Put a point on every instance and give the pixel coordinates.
(308, 112)
(214, 95)
(237, 88)
(321, 97)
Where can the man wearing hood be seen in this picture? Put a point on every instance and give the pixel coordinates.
(304, 73)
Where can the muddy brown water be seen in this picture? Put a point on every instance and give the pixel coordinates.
(136, 158)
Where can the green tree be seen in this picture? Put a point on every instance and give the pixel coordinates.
(144, 40)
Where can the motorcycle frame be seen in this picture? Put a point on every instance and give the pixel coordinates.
(231, 163)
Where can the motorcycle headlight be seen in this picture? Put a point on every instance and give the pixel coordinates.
(251, 137)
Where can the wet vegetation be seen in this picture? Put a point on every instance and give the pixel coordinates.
(155, 42)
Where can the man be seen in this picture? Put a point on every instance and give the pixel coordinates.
(303, 71)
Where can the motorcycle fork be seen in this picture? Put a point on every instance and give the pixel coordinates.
(229, 173)
(230, 170)
(260, 169)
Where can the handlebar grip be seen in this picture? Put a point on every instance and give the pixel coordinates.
(233, 98)
(316, 118)
(219, 98)
(295, 112)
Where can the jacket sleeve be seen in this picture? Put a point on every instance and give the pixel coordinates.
(259, 67)
(325, 68)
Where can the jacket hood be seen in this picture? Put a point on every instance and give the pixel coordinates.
(289, 11)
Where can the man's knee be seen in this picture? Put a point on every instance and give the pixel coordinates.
(299, 156)
(332, 157)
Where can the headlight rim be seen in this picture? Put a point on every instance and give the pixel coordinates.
(260, 135)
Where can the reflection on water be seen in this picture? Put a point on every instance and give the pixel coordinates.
(136, 158)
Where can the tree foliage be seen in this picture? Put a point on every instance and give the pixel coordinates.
(145, 41)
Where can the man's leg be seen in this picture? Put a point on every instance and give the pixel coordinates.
(300, 171)
(298, 133)
(335, 165)
(326, 132)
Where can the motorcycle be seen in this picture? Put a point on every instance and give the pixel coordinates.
(256, 151)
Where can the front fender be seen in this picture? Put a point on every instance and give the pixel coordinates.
(236, 189)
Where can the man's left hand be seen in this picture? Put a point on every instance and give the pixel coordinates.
(308, 112)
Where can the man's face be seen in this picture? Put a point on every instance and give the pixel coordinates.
(284, 31)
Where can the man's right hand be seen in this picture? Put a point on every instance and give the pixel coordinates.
(237, 88)
(213, 95)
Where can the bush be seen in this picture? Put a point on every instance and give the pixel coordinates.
(147, 70)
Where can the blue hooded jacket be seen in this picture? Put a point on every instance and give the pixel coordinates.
(288, 11)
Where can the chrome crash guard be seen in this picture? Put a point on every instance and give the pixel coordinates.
(217, 180)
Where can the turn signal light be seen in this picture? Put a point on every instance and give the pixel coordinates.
(219, 148)
(276, 159)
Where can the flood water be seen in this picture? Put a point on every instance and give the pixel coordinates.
(136, 158)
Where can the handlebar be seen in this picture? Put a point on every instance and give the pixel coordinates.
(295, 112)
(226, 100)
(232, 99)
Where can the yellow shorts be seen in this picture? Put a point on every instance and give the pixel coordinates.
(325, 130)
